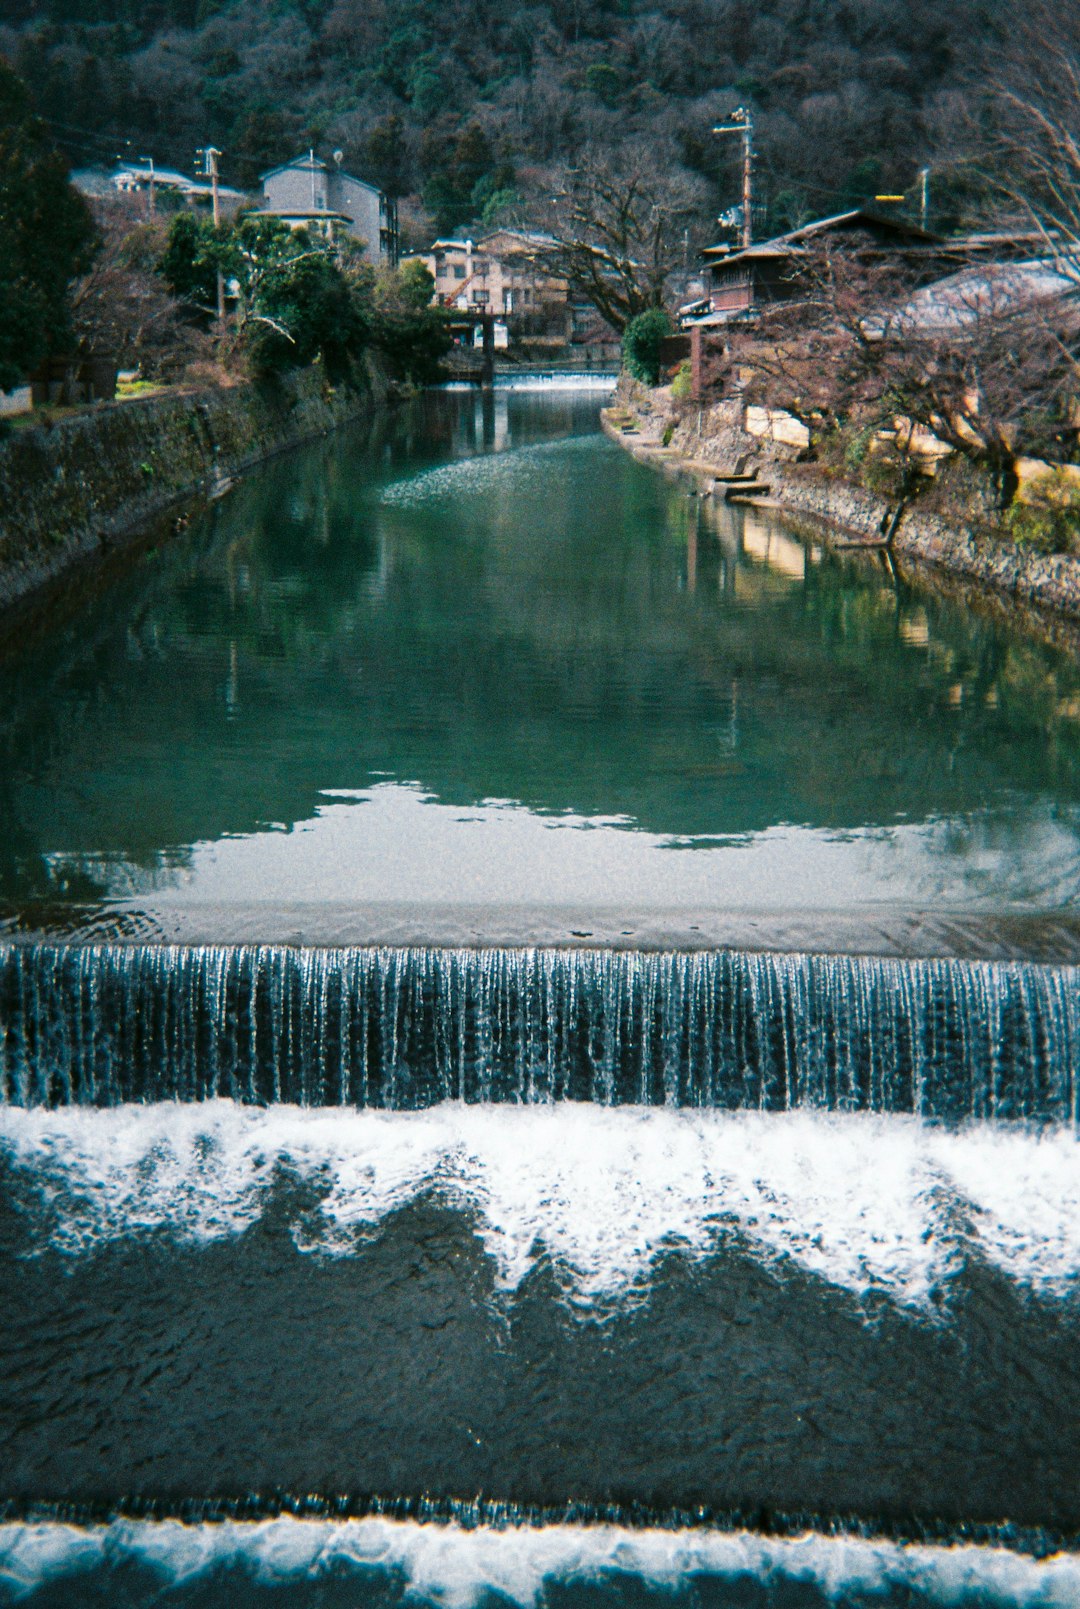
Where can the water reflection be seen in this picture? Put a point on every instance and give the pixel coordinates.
(477, 652)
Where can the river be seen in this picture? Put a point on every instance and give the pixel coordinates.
(539, 1054)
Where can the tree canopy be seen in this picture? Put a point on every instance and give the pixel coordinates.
(443, 100)
(296, 295)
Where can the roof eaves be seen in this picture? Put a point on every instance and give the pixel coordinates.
(363, 183)
(302, 164)
(301, 212)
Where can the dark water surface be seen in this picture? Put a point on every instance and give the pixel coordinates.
(475, 656)
(565, 1278)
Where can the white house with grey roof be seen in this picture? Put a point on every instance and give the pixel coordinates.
(309, 191)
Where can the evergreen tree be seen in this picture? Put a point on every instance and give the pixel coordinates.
(46, 238)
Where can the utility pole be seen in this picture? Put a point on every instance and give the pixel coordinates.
(150, 164)
(741, 122)
(212, 169)
(209, 160)
(924, 196)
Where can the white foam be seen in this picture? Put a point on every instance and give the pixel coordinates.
(556, 380)
(453, 1567)
(865, 1201)
(478, 474)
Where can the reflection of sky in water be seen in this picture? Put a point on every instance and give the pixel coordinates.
(481, 656)
(393, 843)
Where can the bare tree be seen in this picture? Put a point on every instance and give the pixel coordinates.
(985, 361)
(619, 229)
(816, 353)
(124, 308)
(1035, 103)
(988, 362)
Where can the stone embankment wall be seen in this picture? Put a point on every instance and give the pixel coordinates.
(712, 440)
(99, 477)
(1048, 580)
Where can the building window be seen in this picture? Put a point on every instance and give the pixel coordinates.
(459, 270)
(479, 296)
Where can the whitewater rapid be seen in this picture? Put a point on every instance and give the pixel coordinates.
(868, 1202)
(453, 1567)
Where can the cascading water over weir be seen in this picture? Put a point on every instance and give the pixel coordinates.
(407, 1028)
(792, 1191)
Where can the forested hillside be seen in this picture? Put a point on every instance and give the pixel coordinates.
(459, 102)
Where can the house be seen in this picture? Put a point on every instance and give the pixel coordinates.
(499, 274)
(522, 280)
(958, 304)
(740, 280)
(1003, 245)
(308, 192)
(453, 266)
(130, 179)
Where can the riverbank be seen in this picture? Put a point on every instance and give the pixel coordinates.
(98, 479)
(710, 444)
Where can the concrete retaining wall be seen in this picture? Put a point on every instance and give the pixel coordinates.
(1049, 580)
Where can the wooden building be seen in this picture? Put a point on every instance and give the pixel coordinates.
(740, 280)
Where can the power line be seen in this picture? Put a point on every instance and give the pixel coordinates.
(90, 136)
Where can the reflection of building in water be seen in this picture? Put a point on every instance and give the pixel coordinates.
(715, 526)
(492, 419)
(501, 404)
(763, 542)
(729, 733)
(915, 628)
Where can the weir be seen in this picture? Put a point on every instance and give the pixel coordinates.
(407, 1028)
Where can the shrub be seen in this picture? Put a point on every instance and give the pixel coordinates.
(857, 448)
(412, 336)
(1049, 520)
(641, 344)
(682, 384)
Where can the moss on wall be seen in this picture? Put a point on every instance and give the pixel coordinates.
(97, 477)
